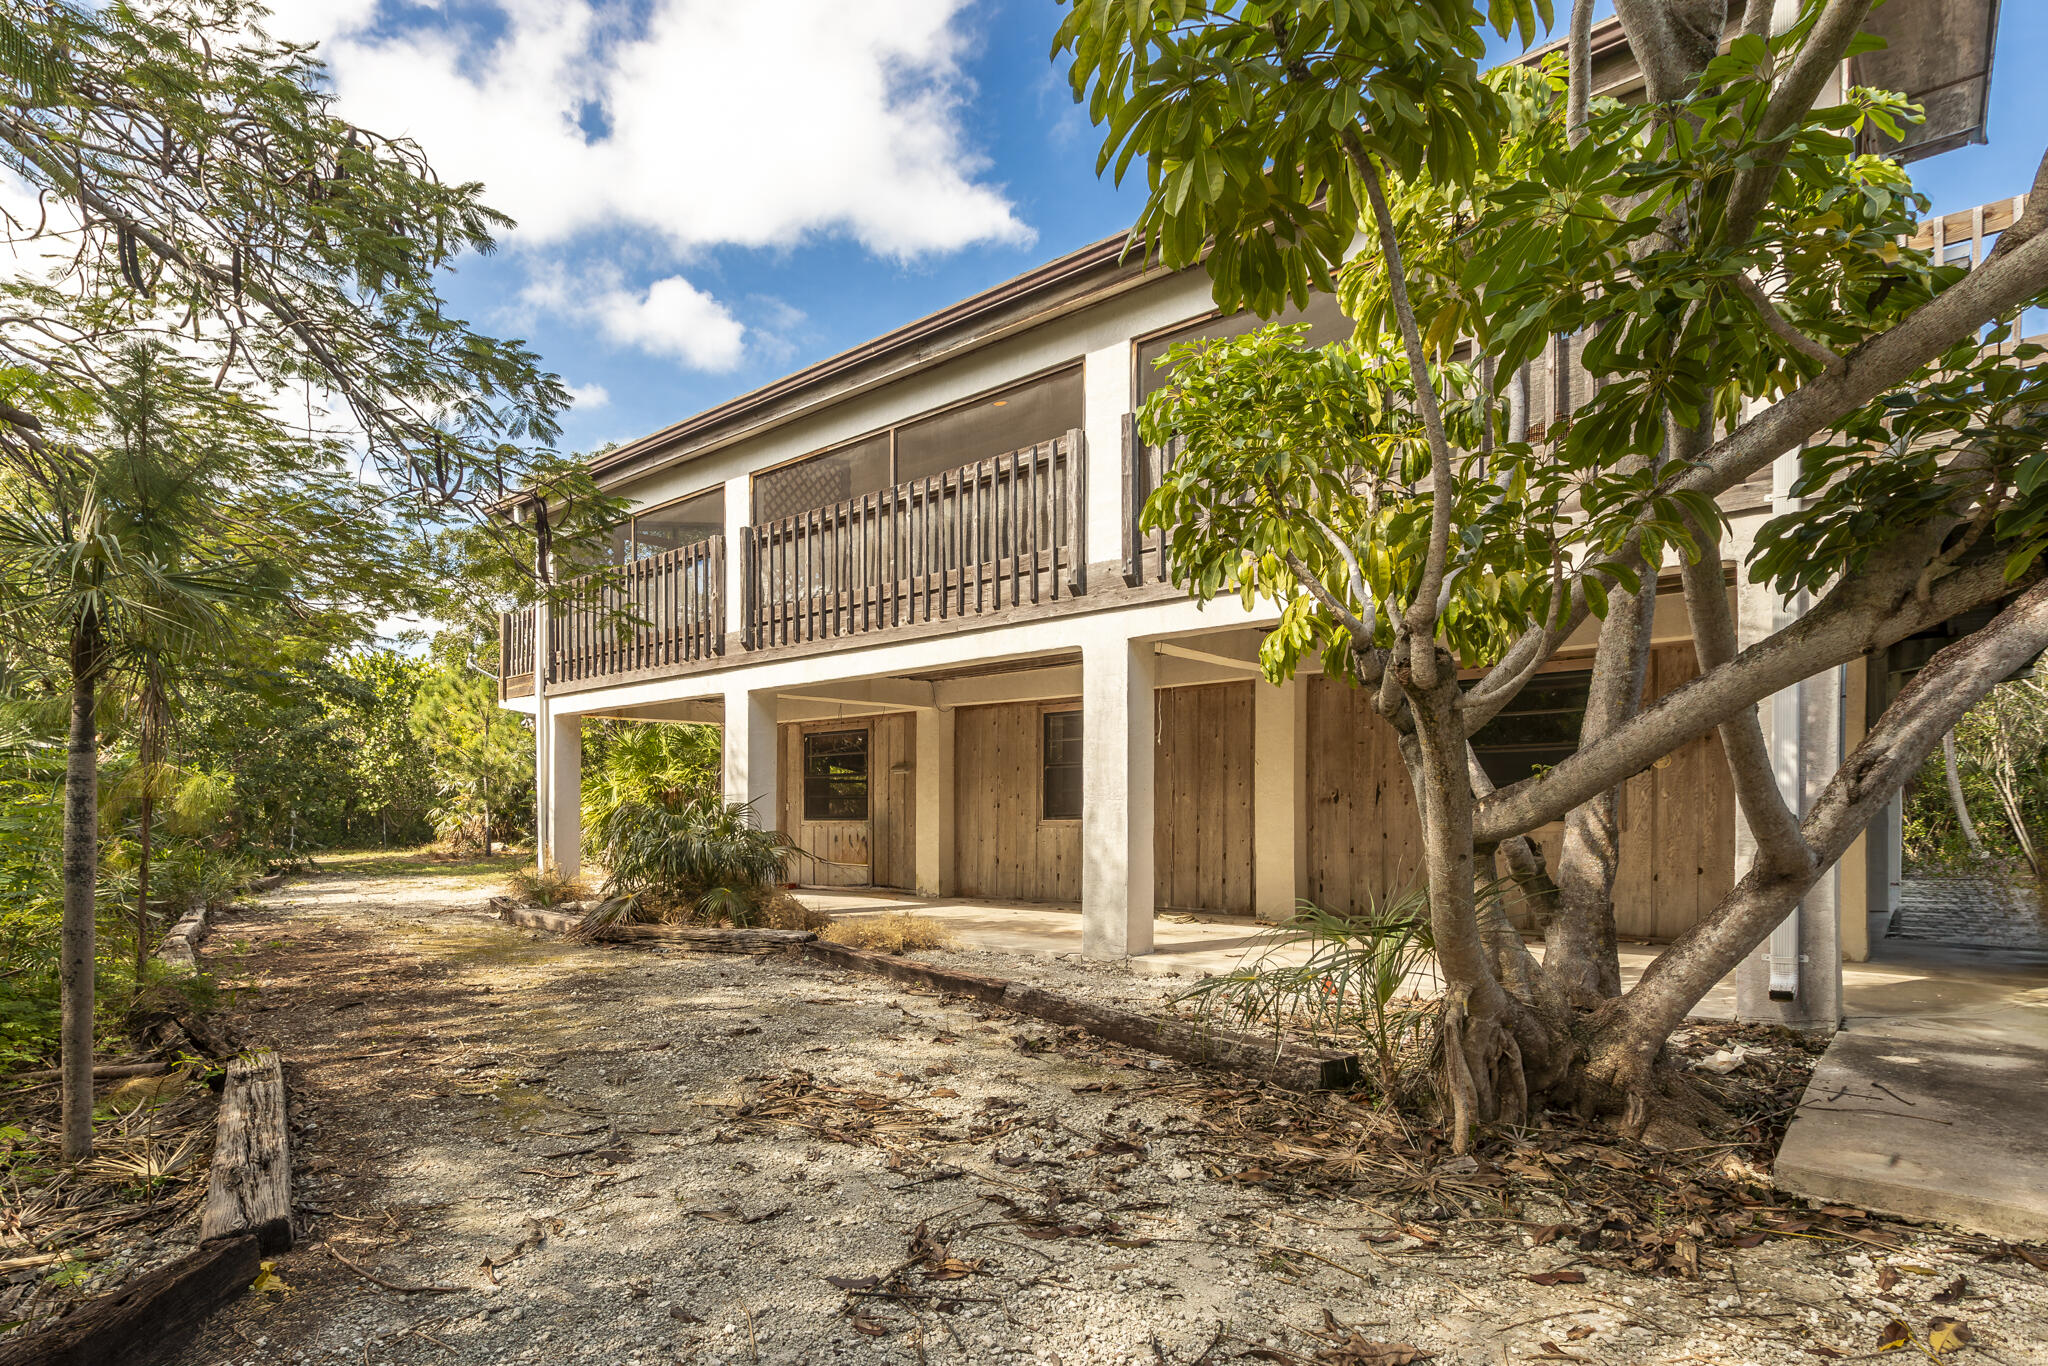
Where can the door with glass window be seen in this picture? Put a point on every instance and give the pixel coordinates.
(849, 803)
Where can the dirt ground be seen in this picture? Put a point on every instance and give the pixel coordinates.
(515, 1149)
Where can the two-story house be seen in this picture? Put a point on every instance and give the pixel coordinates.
(909, 583)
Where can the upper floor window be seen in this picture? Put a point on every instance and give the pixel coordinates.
(1326, 324)
(669, 526)
(997, 423)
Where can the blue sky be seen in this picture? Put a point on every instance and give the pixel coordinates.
(712, 195)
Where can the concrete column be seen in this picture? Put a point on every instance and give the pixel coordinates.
(751, 753)
(739, 511)
(1279, 797)
(935, 801)
(1106, 390)
(1795, 977)
(561, 776)
(1117, 678)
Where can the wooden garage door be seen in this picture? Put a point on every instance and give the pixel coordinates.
(1364, 836)
(1202, 784)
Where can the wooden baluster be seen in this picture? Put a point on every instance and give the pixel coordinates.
(1031, 514)
(947, 541)
(978, 527)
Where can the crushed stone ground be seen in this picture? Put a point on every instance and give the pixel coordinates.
(634, 1155)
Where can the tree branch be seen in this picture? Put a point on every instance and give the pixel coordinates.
(1424, 610)
(1819, 59)
(1781, 327)
(1579, 73)
(1868, 611)
(1956, 679)
(1992, 291)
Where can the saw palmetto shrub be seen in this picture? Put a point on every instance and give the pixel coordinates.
(1365, 980)
(689, 857)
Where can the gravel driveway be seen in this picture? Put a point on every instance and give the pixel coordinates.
(550, 1152)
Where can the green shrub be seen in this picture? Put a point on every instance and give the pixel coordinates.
(1348, 990)
(697, 856)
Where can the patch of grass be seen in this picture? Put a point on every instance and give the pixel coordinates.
(546, 887)
(422, 862)
(891, 932)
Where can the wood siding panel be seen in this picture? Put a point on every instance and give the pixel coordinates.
(1202, 802)
(1002, 849)
(1364, 838)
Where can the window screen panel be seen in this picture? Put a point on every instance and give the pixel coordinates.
(1326, 324)
(822, 480)
(1011, 420)
(1535, 731)
(836, 775)
(694, 519)
(1062, 777)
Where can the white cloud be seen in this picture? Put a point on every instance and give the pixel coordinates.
(589, 398)
(670, 317)
(690, 124)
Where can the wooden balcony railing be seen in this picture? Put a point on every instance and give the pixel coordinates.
(515, 653)
(1144, 469)
(996, 534)
(646, 614)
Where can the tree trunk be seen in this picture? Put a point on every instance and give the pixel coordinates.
(1955, 795)
(142, 889)
(1484, 1081)
(81, 871)
(1622, 1042)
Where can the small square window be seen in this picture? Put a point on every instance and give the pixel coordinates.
(1062, 800)
(836, 775)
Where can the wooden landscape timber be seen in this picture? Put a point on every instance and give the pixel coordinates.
(181, 942)
(568, 920)
(1291, 1066)
(148, 1317)
(251, 1187)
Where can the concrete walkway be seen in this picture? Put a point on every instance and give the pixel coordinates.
(1932, 1101)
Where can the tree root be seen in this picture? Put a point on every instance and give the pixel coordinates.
(1484, 1080)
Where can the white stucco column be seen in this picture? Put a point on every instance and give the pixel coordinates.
(1106, 390)
(1279, 797)
(935, 802)
(1795, 976)
(739, 499)
(561, 778)
(750, 754)
(1116, 796)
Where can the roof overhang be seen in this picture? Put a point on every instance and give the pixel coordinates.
(1938, 54)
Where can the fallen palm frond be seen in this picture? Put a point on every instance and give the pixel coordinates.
(891, 932)
(842, 1114)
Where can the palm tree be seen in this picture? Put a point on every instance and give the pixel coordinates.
(152, 521)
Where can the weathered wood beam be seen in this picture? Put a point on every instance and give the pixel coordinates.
(251, 1187)
(1294, 1067)
(149, 1317)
